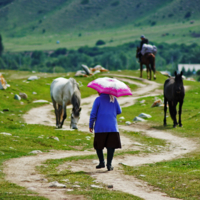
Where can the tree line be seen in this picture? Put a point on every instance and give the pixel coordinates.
(113, 58)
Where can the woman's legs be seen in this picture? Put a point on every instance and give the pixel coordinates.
(101, 158)
(110, 154)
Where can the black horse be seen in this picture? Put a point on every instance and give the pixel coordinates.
(174, 93)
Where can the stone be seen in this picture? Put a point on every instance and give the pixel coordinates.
(143, 101)
(128, 122)
(96, 186)
(36, 151)
(4, 133)
(31, 78)
(144, 115)
(17, 97)
(56, 184)
(77, 186)
(23, 95)
(138, 119)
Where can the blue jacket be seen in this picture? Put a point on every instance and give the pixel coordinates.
(104, 114)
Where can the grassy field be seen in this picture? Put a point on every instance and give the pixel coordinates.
(178, 178)
(176, 33)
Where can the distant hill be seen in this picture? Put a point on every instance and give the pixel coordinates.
(49, 24)
(22, 17)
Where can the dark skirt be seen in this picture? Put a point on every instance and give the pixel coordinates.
(108, 139)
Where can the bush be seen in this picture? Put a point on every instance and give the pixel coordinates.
(187, 15)
(153, 23)
(2, 64)
(37, 57)
(116, 3)
(100, 42)
(60, 51)
(1, 46)
(198, 72)
(83, 2)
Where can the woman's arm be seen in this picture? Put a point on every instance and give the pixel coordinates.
(93, 113)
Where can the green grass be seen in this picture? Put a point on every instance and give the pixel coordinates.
(118, 36)
(178, 178)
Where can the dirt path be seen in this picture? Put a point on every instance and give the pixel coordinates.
(22, 170)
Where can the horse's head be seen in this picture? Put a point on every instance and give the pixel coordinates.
(75, 117)
(178, 83)
(137, 51)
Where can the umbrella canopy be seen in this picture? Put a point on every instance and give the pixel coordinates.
(110, 86)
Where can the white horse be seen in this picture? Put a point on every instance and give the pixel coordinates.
(65, 92)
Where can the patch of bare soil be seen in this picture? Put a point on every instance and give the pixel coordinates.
(22, 170)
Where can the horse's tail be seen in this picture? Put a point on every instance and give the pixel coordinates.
(171, 110)
(152, 62)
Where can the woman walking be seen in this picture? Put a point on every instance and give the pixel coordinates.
(103, 119)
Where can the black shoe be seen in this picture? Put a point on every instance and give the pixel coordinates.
(101, 165)
(110, 168)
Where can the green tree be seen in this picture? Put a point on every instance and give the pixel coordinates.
(198, 72)
(38, 57)
(1, 46)
(2, 64)
(183, 70)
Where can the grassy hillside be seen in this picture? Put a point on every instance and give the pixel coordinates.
(38, 24)
(20, 16)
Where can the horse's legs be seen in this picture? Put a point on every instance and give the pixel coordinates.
(149, 72)
(64, 114)
(154, 70)
(175, 113)
(165, 110)
(171, 110)
(56, 111)
(59, 114)
(141, 70)
(180, 112)
(147, 69)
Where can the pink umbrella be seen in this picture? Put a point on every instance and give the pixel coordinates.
(110, 86)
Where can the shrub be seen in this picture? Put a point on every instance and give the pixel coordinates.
(83, 2)
(1, 46)
(198, 72)
(2, 64)
(187, 15)
(60, 51)
(100, 42)
(153, 23)
(116, 3)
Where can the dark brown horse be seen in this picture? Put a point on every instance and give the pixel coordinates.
(147, 59)
(174, 93)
